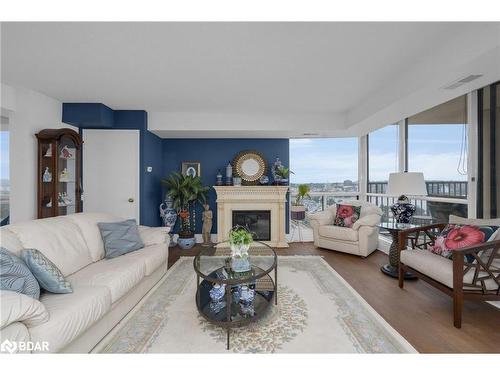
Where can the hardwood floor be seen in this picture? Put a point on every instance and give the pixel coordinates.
(419, 312)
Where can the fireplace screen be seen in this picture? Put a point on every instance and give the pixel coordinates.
(258, 222)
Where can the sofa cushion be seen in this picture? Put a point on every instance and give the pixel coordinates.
(437, 267)
(15, 332)
(46, 272)
(153, 235)
(87, 222)
(339, 233)
(119, 275)
(9, 241)
(16, 276)
(152, 257)
(17, 307)
(58, 238)
(120, 238)
(71, 314)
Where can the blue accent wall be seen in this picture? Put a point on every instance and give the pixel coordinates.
(166, 155)
(151, 190)
(99, 116)
(215, 154)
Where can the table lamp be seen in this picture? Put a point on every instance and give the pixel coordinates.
(401, 185)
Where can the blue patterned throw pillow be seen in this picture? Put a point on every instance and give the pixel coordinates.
(120, 238)
(16, 276)
(48, 275)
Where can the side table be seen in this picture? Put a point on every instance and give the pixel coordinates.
(392, 268)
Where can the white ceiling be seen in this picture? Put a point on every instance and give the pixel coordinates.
(239, 79)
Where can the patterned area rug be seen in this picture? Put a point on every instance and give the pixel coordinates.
(317, 312)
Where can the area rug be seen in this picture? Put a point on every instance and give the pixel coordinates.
(317, 312)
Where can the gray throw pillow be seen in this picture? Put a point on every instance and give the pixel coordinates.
(48, 275)
(16, 276)
(120, 238)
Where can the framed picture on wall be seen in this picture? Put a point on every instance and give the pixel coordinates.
(191, 168)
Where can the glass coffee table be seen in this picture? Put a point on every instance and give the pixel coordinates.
(233, 299)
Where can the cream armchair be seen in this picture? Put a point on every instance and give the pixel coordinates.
(361, 239)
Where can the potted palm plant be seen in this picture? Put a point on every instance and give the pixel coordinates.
(298, 210)
(186, 192)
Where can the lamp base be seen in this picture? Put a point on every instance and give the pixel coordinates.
(393, 272)
(403, 210)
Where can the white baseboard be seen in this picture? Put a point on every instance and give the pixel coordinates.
(384, 244)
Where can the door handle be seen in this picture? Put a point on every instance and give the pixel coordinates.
(131, 200)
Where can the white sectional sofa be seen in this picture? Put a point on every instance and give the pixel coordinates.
(104, 290)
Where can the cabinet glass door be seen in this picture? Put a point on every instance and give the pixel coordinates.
(47, 175)
(67, 180)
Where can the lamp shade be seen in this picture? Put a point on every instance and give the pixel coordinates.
(406, 183)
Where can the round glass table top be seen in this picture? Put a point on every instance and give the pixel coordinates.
(215, 258)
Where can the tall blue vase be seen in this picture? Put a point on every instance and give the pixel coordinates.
(169, 216)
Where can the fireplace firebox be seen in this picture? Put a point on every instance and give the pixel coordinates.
(257, 221)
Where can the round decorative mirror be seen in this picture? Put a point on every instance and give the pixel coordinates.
(250, 166)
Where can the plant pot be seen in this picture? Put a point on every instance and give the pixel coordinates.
(186, 243)
(239, 250)
(298, 212)
(240, 264)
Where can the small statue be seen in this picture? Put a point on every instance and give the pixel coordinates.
(47, 176)
(48, 153)
(207, 225)
(64, 175)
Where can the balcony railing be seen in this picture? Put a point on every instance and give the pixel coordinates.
(436, 207)
(449, 189)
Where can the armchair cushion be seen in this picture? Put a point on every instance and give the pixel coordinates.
(453, 219)
(321, 218)
(369, 220)
(346, 215)
(456, 236)
(339, 233)
(439, 268)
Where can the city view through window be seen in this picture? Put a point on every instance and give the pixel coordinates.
(436, 145)
(328, 165)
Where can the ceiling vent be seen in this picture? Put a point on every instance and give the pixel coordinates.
(453, 85)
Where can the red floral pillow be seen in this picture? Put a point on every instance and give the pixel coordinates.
(346, 215)
(455, 236)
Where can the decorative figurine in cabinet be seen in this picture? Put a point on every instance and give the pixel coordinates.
(59, 172)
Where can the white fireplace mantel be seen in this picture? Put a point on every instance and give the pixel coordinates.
(272, 198)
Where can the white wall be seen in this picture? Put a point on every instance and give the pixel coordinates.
(29, 112)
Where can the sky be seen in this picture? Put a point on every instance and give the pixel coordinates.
(4, 154)
(432, 149)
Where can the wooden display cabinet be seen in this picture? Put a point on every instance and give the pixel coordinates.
(59, 172)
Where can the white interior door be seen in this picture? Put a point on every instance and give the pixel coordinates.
(111, 172)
